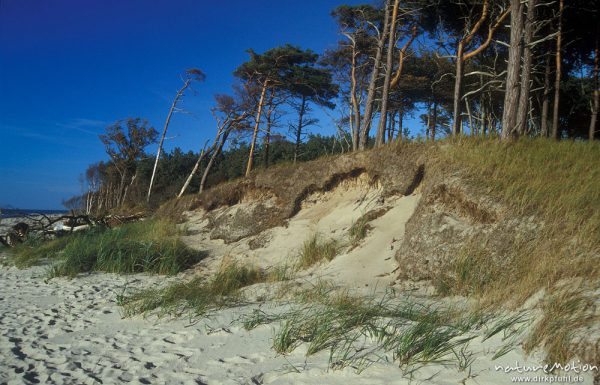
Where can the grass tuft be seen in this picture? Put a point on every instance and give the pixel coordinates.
(357, 330)
(149, 246)
(470, 273)
(358, 231)
(198, 296)
(563, 313)
(315, 250)
(36, 250)
(280, 273)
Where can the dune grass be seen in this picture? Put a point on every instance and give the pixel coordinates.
(358, 230)
(563, 313)
(554, 179)
(197, 297)
(35, 250)
(148, 246)
(315, 249)
(358, 331)
(557, 184)
(470, 273)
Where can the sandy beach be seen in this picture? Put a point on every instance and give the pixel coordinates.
(72, 332)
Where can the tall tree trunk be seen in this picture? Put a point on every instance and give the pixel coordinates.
(458, 79)
(546, 101)
(194, 170)
(461, 57)
(555, 122)
(484, 116)
(299, 128)
(433, 121)
(470, 117)
(400, 124)
(256, 126)
(211, 161)
(354, 100)
(402, 56)
(267, 139)
(380, 137)
(391, 125)
(596, 95)
(527, 68)
(369, 106)
(133, 178)
(267, 145)
(511, 94)
(164, 133)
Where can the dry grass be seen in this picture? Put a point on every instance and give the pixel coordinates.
(555, 182)
(470, 273)
(361, 227)
(554, 179)
(564, 312)
(358, 231)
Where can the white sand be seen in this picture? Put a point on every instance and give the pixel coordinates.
(71, 332)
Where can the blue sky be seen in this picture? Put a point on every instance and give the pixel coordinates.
(68, 68)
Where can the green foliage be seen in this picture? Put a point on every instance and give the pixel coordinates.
(357, 330)
(276, 65)
(175, 166)
(315, 250)
(198, 296)
(126, 140)
(35, 250)
(148, 246)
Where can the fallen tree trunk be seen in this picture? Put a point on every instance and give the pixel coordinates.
(44, 225)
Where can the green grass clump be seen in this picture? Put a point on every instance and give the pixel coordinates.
(198, 296)
(358, 331)
(358, 231)
(147, 246)
(315, 250)
(35, 250)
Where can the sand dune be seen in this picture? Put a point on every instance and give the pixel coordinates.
(65, 331)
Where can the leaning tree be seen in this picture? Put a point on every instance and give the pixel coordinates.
(192, 74)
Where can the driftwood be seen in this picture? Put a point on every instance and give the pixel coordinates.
(43, 225)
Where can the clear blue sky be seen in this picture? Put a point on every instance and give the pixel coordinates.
(68, 68)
